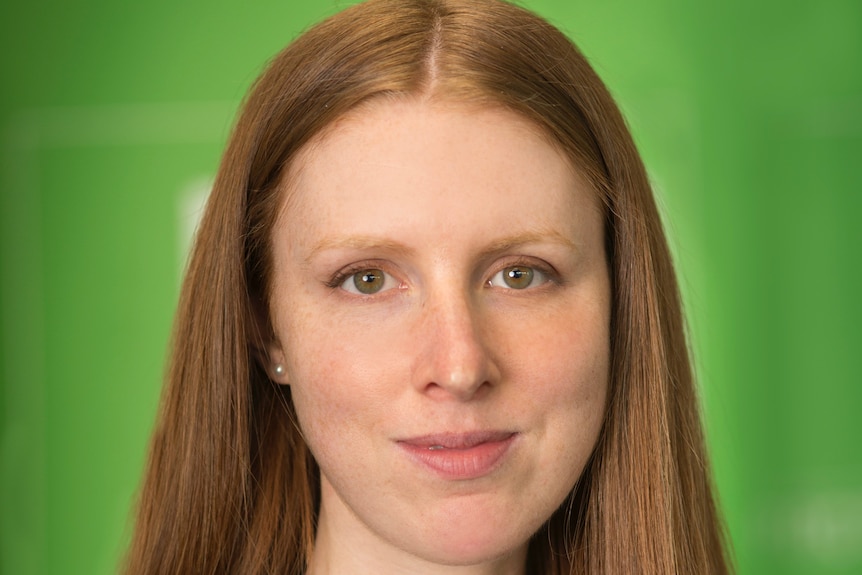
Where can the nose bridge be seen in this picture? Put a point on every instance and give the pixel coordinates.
(455, 357)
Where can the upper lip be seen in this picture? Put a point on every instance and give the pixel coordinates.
(458, 440)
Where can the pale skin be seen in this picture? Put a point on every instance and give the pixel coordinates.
(439, 271)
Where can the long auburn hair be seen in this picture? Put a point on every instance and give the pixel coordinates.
(230, 486)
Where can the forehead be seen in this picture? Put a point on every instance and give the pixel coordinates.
(400, 126)
(400, 164)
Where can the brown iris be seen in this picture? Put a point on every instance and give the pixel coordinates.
(518, 277)
(369, 281)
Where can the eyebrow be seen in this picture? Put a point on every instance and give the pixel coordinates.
(502, 245)
(357, 243)
(538, 236)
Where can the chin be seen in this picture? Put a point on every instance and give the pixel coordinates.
(469, 544)
(465, 556)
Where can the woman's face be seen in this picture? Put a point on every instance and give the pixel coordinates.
(441, 307)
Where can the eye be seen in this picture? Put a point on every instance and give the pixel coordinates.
(518, 277)
(367, 281)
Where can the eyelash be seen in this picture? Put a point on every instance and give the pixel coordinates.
(548, 271)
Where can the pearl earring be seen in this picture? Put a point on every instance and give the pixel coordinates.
(278, 369)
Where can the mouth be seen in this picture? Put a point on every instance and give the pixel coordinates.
(460, 456)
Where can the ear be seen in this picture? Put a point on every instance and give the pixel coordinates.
(276, 365)
(266, 346)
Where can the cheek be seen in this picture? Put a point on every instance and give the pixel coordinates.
(339, 373)
(571, 389)
(563, 372)
(564, 352)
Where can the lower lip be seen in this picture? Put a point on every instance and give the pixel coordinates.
(460, 464)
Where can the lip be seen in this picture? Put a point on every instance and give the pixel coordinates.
(460, 456)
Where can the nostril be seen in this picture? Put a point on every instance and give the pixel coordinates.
(458, 390)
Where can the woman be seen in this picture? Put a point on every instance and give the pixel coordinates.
(430, 323)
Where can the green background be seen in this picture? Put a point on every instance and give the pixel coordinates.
(749, 117)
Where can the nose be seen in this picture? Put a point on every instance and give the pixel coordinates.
(454, 359)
